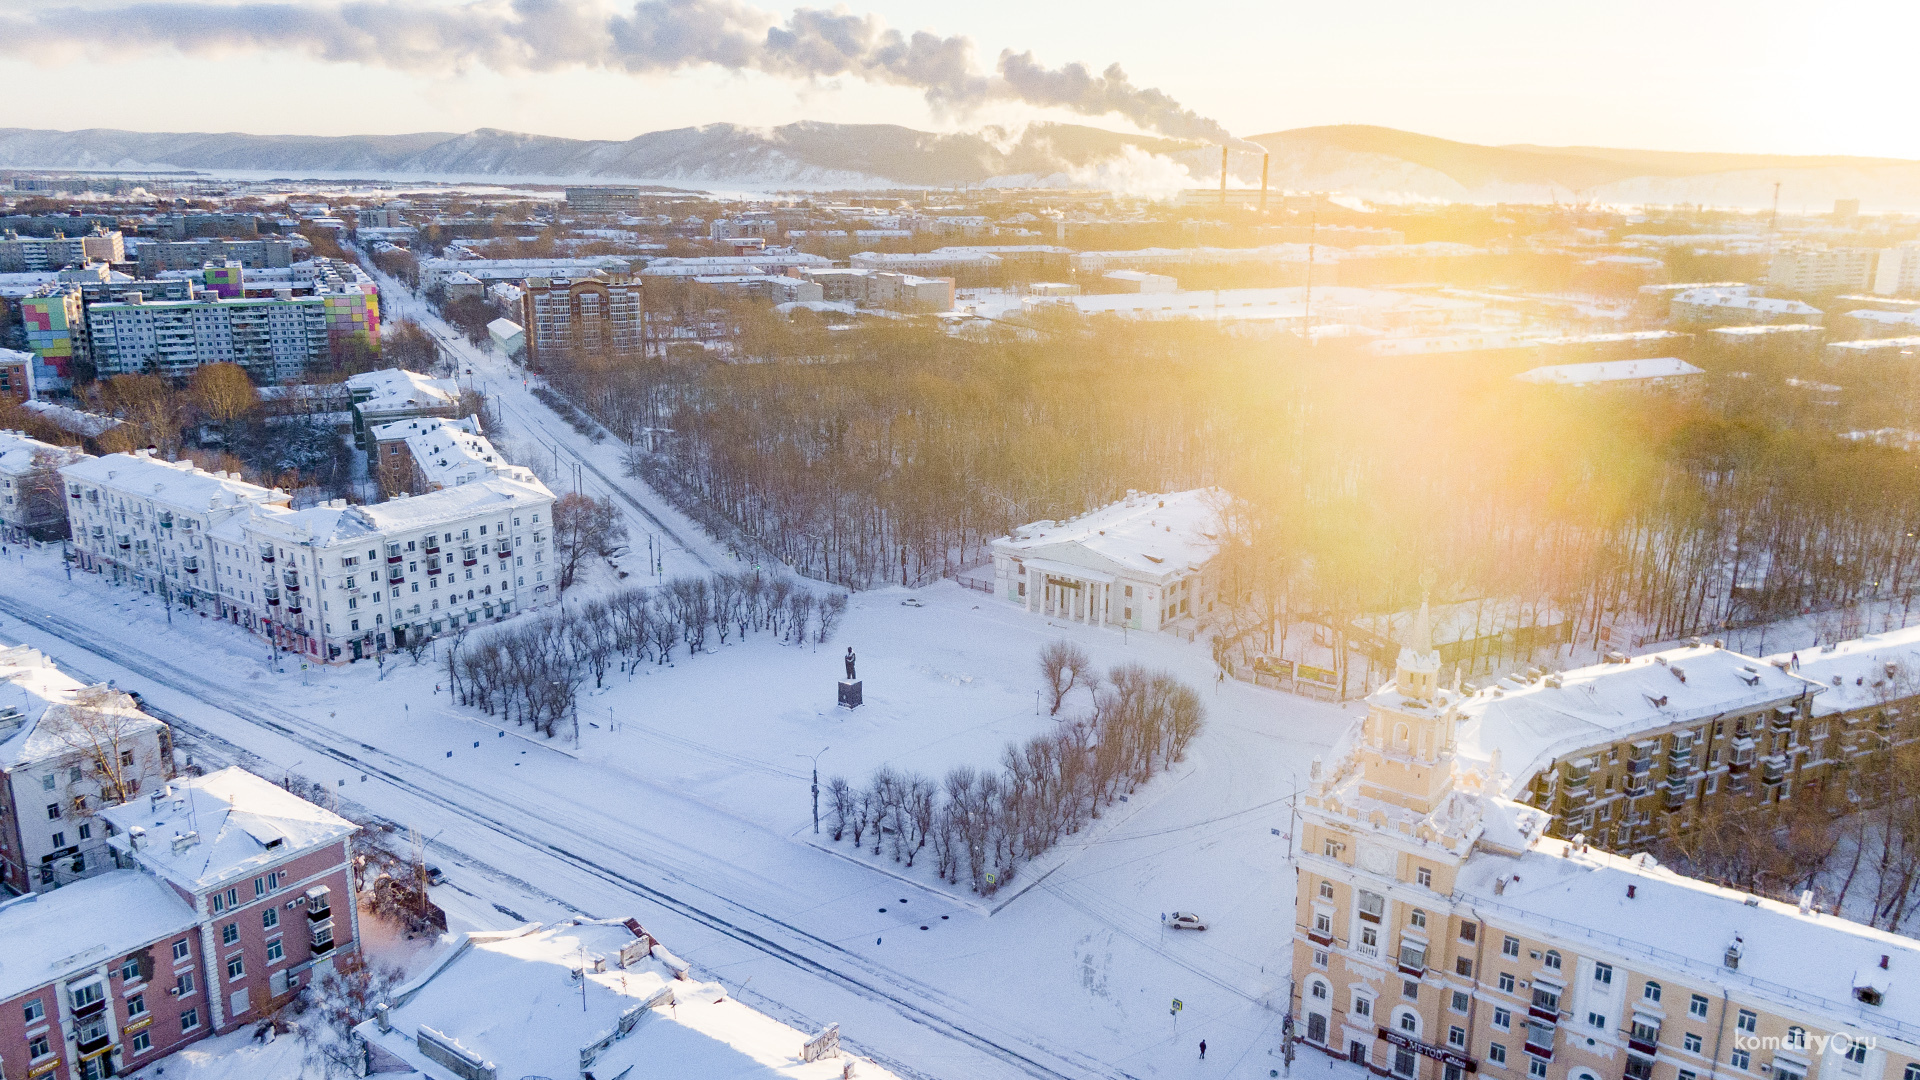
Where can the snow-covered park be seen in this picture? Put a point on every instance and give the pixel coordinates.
(685, 802)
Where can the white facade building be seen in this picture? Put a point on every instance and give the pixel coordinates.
(144, 521)
(1140, 563)
(21, 458)
(1657, 372)
(1898, 271)
(55, 774)
(340, 582)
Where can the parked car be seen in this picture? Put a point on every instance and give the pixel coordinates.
(435, 877)
(1186, 920)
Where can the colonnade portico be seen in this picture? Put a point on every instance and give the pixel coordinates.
(1074, 593)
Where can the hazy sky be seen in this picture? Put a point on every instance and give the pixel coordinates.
(1763, 75)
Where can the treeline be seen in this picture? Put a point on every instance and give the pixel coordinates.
(532, 671)
(1362, 483)
(979, 825)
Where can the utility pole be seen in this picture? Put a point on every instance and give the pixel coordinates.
(816, 788)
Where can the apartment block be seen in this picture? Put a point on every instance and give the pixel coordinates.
(67, 749)
(276, 340)
(390, 395)
(30, 253)
(591, 318)
(55, 326)
(160, 255)
(419, 456)
(30, 487)
(603, 200)
(1821, 269)
(144, 522)
(1441, 930)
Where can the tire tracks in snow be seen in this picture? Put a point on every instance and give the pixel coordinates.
(864, 980)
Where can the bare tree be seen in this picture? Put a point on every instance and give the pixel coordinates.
(112, 735)
(583, 526)
(1063, 666)
(343, 998)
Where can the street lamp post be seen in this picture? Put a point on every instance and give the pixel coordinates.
(816, 787)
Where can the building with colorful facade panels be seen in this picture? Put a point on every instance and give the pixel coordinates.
(54, 326)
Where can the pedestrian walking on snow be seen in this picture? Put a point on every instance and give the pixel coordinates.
(1203, 1049)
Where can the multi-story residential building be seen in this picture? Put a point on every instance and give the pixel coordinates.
(158, 255)
(434, 273)
(31, 494)
(772, 288)
(390, 395)
(266, 875)
(101, 978)
(205, 224)
(342, 583)
(603, 200)
(418, 456)
(16, 375)
(277, 340)
(1822, 269)
(55, 327)
(66, 751)
(1736, 307)
(28, 253)
(1440, 930)
(144, 521)
(591, 318)
(1139, 563)
(1898, 271)
(760, 262)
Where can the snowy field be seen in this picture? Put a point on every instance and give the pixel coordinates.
(687, 805)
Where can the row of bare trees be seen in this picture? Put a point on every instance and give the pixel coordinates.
(532, 671)
(980, 825)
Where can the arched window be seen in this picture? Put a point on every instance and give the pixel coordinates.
(1409, 1022)
(1317, 989)
(1797, 1038)
(1651, 992)
(1552, 959)
(1402, 737)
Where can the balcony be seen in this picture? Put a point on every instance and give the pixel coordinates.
(1676, 797)
(322, 948)
(431, 548)
(1639, 766)
(1323, 939)
(1640, 1043)
(504, 553)
(1638, 1068)
(266, 553)
(123, 541)
(166, 519)
(1783, 719)
(469, 557)
(1635, 787)
(91, 1008)
(89, 1043)
(395, 577)
(1773, 771)
(191, 564)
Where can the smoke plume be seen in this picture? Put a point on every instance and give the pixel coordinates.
(652, 36)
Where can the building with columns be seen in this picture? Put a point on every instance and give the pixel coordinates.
(1440, 930)
(1140, 563)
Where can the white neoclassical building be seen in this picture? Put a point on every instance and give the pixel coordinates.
(1141, 563)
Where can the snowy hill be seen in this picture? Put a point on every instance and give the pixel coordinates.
(1375, 163)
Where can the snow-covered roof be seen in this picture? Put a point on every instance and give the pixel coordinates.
(449, 504)
(72, 420)
(511, 999)
(1609, 371)
(237, 822)
(1872, 345)
(1155, 535)
(449, 452)
(1728, 298)
(1862, 672)
(17, 453)
(62, 932)
(397, 390)
(34, 698)
(1801, 963)
(1886, 318)
(180, 484)
(1621, 338)
(1530, 722)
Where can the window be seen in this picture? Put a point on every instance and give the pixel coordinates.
(136, 1004)
(1372, 906)
(1362, 1006)
(130, 969)
(1319, 958)
(1748, 1021)
(1506, 982)
(1545, 998)
(1503, 1019)
(184, 983)
(1409, 989)
(1697, 1007)
(270, 918)
(1651, 991)
(236, 968)
(1497, 1053)
(1551, 960)
(38, 1047)
(142, 1041)
(86, 830)
(1424, 876)
(1369, 940)
(1597, 1021)
(1404, 1062)
(1326, 890)
(1418, 918)
(1318, 989)
(1536, 1067)
(1686, 1074)
(1410, 1023)
(180, 949)
(259, 887)
(1463, 967)
(53, 811)
(85, 995)
(1330, 848)
(1510, 947)
(229, 933)
(1603, 974)
(1797, 1040)
(1740, 1059)
(189, 1019)
(1456, 1036)
(1856, 1053)
(219, 903)
(1322, 923)
(47, 782)
(1692, 1042)
(1460, 1001)
(275, 953)
(35, 1011)
(1469, 931)
(59, 839)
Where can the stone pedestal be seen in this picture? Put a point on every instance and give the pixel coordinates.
(850, 693)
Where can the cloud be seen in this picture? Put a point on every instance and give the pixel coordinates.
(652, 36)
